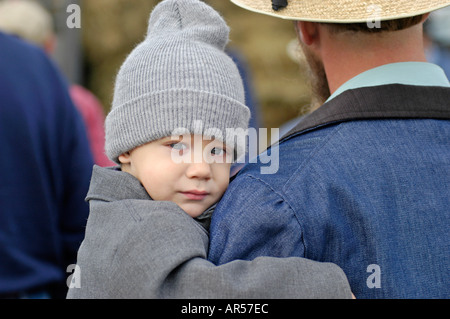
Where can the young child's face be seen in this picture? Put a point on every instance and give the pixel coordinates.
(191, 171)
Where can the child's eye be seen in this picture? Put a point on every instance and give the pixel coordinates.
(178, 146)
(218, 151)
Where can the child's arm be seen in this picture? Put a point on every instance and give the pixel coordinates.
(158, 251)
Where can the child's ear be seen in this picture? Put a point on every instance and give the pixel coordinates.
(125, 158)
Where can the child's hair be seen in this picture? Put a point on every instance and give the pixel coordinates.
(178, 77)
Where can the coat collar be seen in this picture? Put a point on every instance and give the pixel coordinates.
(111, 184)
(393, 101)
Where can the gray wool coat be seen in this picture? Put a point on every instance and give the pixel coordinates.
(135, 247)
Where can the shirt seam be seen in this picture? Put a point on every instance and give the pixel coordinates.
(313, 154)
(287, 203)
(302, 166)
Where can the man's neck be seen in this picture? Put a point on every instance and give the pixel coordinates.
(343, 61)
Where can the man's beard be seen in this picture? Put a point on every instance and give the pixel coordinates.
(318, 78)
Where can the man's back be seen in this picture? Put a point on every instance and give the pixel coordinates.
(368, 192)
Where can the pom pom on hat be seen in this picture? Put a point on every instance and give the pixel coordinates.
(191, 19)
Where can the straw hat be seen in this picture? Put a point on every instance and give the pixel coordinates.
(342, 11)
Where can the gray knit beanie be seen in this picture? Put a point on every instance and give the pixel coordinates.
(178, 77)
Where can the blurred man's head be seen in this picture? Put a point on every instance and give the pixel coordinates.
(342, 38)
(28, 20)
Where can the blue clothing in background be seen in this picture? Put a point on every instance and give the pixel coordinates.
(45, 170)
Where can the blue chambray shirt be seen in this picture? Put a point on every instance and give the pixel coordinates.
(372, 196)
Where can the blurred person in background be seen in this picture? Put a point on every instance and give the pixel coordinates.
(30, 21)
(45, 170)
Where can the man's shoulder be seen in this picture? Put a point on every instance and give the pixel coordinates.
(275, 166)
(327, 131)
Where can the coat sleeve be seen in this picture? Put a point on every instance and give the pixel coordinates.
(163, 255)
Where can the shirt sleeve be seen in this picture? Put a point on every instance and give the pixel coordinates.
(252, 220)
(161, 253)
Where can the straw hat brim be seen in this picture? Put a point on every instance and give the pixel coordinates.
(344, 11)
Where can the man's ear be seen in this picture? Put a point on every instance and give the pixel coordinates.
(425, 17)
(308, 32)
(125, 158)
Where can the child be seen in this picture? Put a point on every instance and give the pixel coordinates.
(175, 97)
(178, 80)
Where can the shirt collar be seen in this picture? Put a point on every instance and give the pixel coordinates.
(391, 101)
(407, 73)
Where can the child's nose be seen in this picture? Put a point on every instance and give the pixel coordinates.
(200, 170)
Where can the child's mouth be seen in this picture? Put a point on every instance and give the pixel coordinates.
(195, 194)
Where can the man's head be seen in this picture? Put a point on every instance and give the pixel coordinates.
(372, 30)
(348, 32)
(28, 20)
(317, 75)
